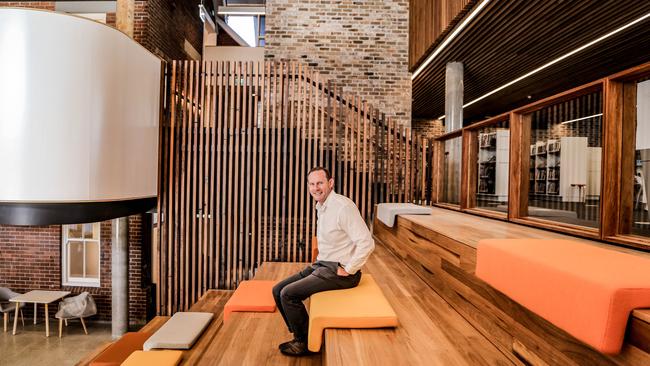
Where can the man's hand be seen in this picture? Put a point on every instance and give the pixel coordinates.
(341, 272)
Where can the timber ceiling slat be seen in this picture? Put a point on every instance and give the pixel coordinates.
(510, 38)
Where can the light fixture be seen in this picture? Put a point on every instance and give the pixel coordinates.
(581, 118)
(566, 55)
(450, 38)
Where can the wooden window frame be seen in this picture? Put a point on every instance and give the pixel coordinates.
(618, 126)
(620, 115)
(439, 155)
(470, 175)
(520, 131)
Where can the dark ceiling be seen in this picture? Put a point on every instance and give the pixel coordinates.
(511, 38)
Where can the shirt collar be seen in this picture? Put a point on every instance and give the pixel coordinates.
(321, 207)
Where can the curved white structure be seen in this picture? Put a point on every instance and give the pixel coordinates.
(79, 111)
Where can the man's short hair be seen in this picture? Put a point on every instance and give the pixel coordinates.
(317, 168)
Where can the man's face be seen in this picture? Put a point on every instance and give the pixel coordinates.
(319, 186)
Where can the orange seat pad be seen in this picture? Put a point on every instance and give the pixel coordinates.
(253, 295)
(586, 290)
(121, 349)
(154, 358)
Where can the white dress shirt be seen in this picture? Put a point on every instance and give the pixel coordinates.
(342, 234)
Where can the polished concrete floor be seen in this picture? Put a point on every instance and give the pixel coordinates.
(30, 346)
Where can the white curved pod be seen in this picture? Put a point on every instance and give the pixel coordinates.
(79, 111)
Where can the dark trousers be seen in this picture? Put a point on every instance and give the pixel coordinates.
(290, 293)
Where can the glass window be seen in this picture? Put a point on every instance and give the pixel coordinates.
(492, 167)
(451, 173)
(640, 221)
(81, 255)
(565, 156)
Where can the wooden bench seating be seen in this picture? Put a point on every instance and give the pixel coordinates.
(441, 249)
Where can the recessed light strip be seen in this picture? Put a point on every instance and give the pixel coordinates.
(450, 38)
(597, 40)
(581, 118)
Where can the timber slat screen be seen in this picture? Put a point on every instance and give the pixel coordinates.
(237, 141)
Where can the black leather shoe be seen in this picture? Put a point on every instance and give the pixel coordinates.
(283, 345)
(295, 348)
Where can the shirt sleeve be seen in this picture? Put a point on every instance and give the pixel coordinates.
(351, 222)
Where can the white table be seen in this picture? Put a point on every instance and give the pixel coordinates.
(38, 297)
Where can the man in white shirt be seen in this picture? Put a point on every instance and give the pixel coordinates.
(344, 245)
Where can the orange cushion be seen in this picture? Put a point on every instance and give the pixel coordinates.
(364, 306)
(587, 290)
(251, 296)
(117, 352)
(151, 358)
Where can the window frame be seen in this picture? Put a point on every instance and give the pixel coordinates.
(520, 128)
(620, 117)
(66, 279)
(438, 179)
(470, 174)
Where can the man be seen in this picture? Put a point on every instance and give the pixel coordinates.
(344, 245)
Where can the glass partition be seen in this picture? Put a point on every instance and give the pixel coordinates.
(493, 156)
(565, 161)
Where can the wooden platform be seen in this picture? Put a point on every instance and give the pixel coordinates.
(441, 248)
(430, 333)
(213, 301)
(253, 338)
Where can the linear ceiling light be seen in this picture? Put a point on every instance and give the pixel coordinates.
(450, 38)
(580, 119)
(597, 40)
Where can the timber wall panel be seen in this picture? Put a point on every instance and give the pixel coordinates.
(238, 140)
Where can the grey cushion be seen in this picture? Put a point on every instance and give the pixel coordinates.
(386, 212)
(5, 305)
(179, 332)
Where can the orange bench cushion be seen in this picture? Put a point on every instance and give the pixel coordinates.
(364, 306)
(251, 296)
(586, 290)
(151, 358)
(119, 350)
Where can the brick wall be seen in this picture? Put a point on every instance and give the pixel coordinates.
(428, 129)
(30, 258)
(168, 25)
(47, 5)
(360, 45)
(162, 26)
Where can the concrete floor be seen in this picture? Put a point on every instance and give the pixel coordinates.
(30, 346)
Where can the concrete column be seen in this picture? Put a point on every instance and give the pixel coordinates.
(453, 96)
(124, 18)
(453, 122)
(120, 276)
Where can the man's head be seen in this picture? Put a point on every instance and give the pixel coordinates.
(320, 183)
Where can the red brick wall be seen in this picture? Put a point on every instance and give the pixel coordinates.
(47, 5)
(30, 259)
